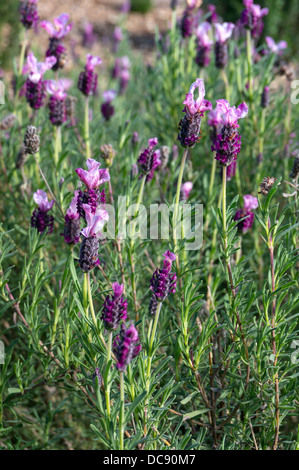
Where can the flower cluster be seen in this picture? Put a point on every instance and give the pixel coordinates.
(245, 215)
(92, 178)
(163, 282)
(189, 127)
(107, 108)
(57, 103)
(251, 17)
(126, 346)
(115, 308)
(149, 160)
(227, 143)
(57, 31)
(222, 33)
(72, 222)
(40, 219)
(121, 72)
(28, 13)
(35, 90)
(204, 44)
(88, 79)
(190, 18)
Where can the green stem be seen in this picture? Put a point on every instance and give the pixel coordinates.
(249, 63)
(90, 299)
(131, 256)
(57, 144)
(150, 348)
(176, 208)
(86, 129)
(107, 391)
(122, 412)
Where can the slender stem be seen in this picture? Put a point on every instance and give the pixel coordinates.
(86, 275)
(151, 338)
(176, 208)
(122, 412)
(249, 62)
(86, 129)
(57, 145)
(229, 270)
(133, 280)
(277, 411)
(107, 391)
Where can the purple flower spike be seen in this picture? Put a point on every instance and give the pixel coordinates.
(72, 222)
(163, 282)
(222, 33)
(227, 144)
(115, 308)
(186, 190)
(89, 248)
(149, 159)
(190, 19)
(35, 85)
(28, 12)
(126, 346)
(251, 17)
(57, 31)
(40, 219)
(204, 44)
(94, 176)
(88, 79)
(189, 127)
(107, 108)
(250, 203)
(57, 106)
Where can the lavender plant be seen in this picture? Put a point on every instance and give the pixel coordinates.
(116, 338)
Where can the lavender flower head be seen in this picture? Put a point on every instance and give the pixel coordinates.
(117, 37)
(107, 108)
(88, 79)
(72, 222)
(57, 31)
(57, 106)
(250, 203)
(28, 13)
(227, 144)
(251, 17)
(149, 160)
(213, 17)
(275, 48)
(115, 308)
(40, 218)
(163, 282)
(89, 248)
(35, 85)
(121, 71)
(204, 44)
(126, 347)
(190, 18)
(189, 126)
(89, 38)
(186, 190)
(92, 178)
(222, 33)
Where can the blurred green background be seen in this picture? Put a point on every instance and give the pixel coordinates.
(281, 23)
